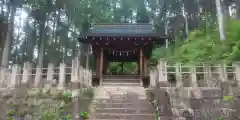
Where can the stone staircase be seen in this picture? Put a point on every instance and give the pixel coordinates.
(121, 80)
(120, 99)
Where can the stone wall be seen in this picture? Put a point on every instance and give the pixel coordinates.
(23, 103)
(196, 92)
(27, 92)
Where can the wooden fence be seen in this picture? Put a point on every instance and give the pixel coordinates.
(59, 76)
(202, 75)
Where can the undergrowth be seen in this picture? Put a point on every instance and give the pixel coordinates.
(203, 45)
(61, 100)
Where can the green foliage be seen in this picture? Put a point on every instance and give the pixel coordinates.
(84, 115)
(55, 114)
(47, 116)
(66, 97)
(157, 53)
(220, 118)
(156, 116)
(56, 110)
(227, 98)
(116, 67)
(10, 118)
(203, 46)
(68, 117)
(11, 112)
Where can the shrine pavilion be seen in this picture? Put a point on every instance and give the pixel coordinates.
(122, 43)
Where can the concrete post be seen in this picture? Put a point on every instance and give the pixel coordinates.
(193, 76)
(237, 71)
(62, 73)
(162, 69)
(27, 67)
(38, 76)
(15, 71)
(50, 73)
(207, 74)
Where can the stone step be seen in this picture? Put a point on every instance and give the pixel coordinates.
(112, 119)
(126, 95)
(122, 105)
(135, 101)
(124, 116)
(120, 84)
(121, 81)
(121, 77)
(117, 79)
(125, 110)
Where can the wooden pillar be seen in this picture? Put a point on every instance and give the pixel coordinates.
(140, 66)
(87, 57)
(145, 63)
(141, 62)
(105, 65)
(101, 66)
(97, 64)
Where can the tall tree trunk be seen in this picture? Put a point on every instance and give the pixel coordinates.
(238, 9)
(166, 31)
(185, 16)
(32, 40)
(225, 9)
(42, 44)
(5, 55)
(54, 38)
(40, 54)
(220, 20)
(57, 42)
